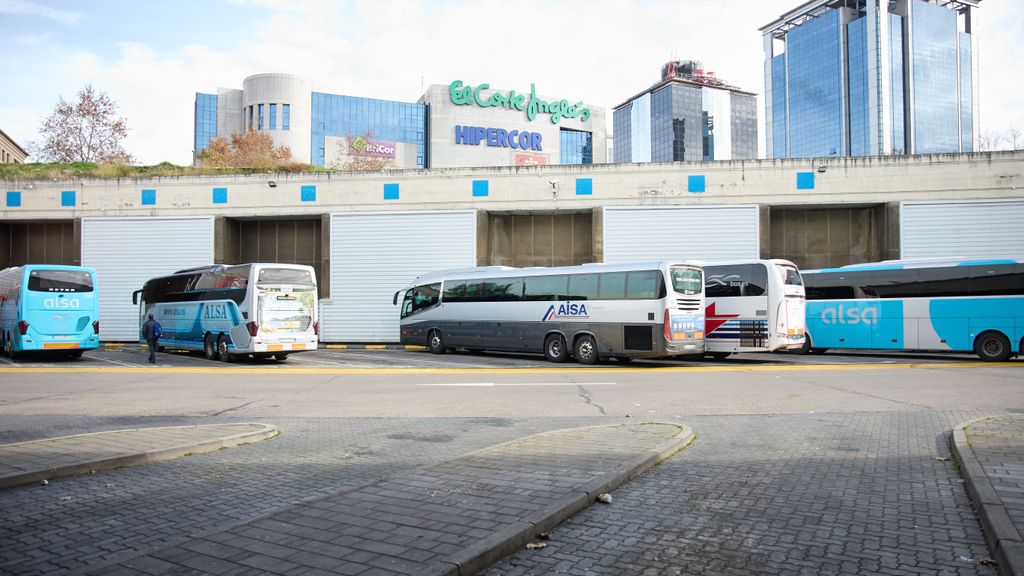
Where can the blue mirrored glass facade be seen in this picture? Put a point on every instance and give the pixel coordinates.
(335, 115)
(816, 88)
(575, 147)
(934, 91)
(683, 121)
(838, 86)
(205, 120)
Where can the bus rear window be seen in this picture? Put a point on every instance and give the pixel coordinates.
(60, 281)
(285, 276)
(790, 276)
(687, 280)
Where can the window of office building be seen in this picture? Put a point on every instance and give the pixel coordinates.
(575, 147)
(815, 87)
(260, 126)
(857, 76)
(205, 119)
(896, 98)
(935, 79)
(620, 127)
(340, 116)
(779, 127)
(273, 116)
(286, 117)
(966, 95)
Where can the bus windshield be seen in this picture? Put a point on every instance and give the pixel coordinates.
(789, 275)
(60, 281)
(686, 280)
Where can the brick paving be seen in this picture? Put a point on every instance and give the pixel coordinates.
(432, 520)
(867, 493)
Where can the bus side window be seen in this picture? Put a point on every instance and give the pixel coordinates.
(756, 280)
(642, 285)
(612, 286)
(935, 282)
(996, 280)
(546, 288)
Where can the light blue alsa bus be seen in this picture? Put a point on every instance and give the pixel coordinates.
(49, 307)
(952, 304)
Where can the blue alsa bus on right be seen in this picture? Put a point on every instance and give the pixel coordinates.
(951, 304)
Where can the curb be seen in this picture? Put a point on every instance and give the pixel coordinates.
(516, 536)
(170, 453)
(1001, 535)
(119, 345)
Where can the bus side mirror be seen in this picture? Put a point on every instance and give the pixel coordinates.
(135, 297)
(394, 301)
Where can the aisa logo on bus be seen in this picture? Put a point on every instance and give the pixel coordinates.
(567, 310)
(61, 303)
(841, 315)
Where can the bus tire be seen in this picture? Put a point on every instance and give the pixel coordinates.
(223, 354)
(281, 356)
(806, 347)
(554, 348)
(586, 350)
(435, 343)
(719, 355)
(209, 348)
(992, 347)
(9, 346)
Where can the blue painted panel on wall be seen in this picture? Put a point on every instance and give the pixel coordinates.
(67, 198)
(13, 199)
(391, 191)
(220, 195)
(308, 193)
(148, 197)
(584, 186)
(695, 183)
(480, 188)
(805, 180)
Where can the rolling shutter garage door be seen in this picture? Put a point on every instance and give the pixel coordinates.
(692, 232)
(375, 254)
(127, 252)
(975, 229)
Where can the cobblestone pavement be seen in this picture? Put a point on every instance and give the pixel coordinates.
(76, 523)
(867, 493)
(847, 493)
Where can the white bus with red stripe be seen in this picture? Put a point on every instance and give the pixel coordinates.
(753, 306)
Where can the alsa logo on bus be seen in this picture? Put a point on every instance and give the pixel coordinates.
(841, 315)
(215, 312)
(61, 303)
(567, 310)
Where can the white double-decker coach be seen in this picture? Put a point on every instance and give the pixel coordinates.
(592, 311)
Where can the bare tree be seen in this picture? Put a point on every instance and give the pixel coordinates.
(88, 130)
(1014, 138)
(989, 140)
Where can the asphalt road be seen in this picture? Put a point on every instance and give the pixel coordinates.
(813, 464)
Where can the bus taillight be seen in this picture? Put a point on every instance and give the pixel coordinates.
(253, 328)
(22, 327)
(96, 326)
(668, 325)
(316, 328)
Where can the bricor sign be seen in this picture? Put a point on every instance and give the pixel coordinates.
(360, 146)
(498, 137)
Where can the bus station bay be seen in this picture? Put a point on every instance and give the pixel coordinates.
(368, 235)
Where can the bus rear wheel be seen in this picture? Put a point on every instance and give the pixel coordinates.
(719, 355)
(222, 349)
(992, 347)
(209, 348)
(554, 349)
(281, 356)
(435, 342)
(586, 350)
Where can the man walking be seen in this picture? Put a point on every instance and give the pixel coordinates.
(152, 331)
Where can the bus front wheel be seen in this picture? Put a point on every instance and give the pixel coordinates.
(223, 354)
(554, 349)
(435, 342)
(586, 350)
(992, 347)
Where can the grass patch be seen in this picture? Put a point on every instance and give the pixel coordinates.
(74, 170)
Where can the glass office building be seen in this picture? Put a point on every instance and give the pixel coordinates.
(871, 77)
(691, 115)
(349, 117)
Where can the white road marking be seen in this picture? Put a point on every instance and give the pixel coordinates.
(129, 364)
(493, 384)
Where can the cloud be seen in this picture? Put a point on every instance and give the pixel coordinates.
(26, 8)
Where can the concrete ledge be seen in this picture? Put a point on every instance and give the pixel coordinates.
(1001, 535)
(34, 461)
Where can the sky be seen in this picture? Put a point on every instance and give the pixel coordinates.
(152, 57)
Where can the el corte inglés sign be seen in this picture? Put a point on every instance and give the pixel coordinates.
(532, 105)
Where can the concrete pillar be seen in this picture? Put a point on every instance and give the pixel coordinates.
(891, 235)
(76, 236)
(324, 269)
(598, 230)
(764, 241)
(483, 238)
